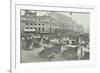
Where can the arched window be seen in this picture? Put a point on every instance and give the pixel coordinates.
(31, 24)
(39, 28)
(39, 24)
(31, 27)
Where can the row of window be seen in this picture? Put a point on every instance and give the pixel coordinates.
(29, 27)
(34, 24)
(39, 28)
(33, 19)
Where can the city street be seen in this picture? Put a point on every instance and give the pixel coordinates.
(53, 36)
(32, 56)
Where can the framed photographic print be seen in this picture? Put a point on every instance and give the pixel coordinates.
(51, 36)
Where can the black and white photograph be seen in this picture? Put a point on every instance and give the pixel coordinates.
(49, 36)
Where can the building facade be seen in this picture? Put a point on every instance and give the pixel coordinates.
(30, 22)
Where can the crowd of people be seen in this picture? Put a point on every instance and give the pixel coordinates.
(69, 47)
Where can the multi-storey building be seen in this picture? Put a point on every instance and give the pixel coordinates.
(30, 22)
